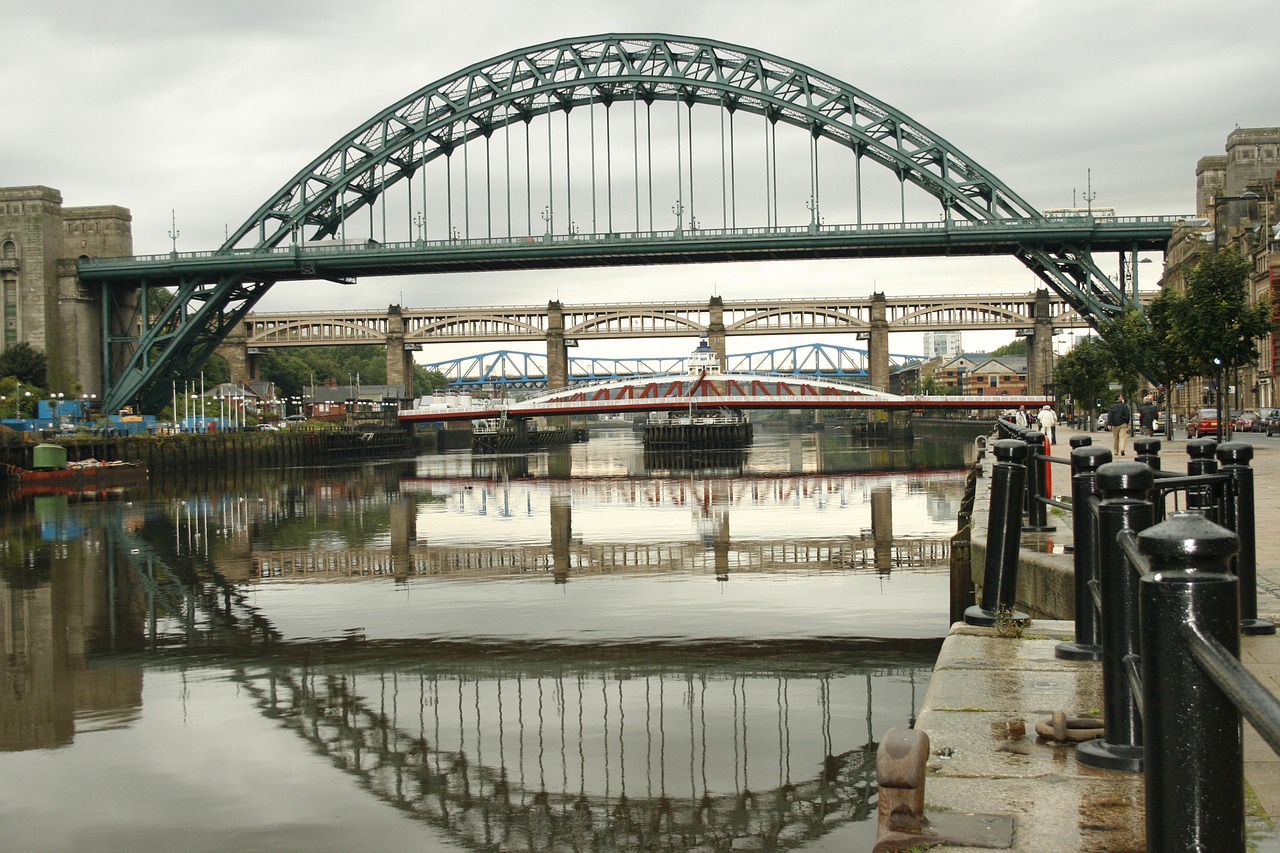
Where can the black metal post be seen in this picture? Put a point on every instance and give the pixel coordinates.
(1201, 498)
(1126, 487)
(1004, 536)
(1146, 449)
(1233, 458)
(1037, 484)
(1085, 462)
(1194, 748)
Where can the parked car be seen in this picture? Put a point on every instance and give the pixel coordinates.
(1203, 422)
(1102, 421)
(1247, 422)
(1269, 420)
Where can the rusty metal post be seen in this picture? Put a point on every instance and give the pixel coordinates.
(1192, 730)
(900, 773)
(1233, 459)
(1126, 487)
(1085, 462)
(1004, 536)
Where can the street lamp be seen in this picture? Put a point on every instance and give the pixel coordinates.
(1222, 374)
(1219, 200)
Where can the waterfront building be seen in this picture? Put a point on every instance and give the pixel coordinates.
(1235, 208)
(942, 345)
(44, 303)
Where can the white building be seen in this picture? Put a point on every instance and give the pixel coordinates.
(941, 345)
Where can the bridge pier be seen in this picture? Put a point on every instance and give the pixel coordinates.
(557, 351)
(882, 529)
(1040, 350)
(234, 349)
(716, 338)
(878, 345)
(561, 537)
(399, 359)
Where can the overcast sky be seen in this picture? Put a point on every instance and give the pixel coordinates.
(206, 109)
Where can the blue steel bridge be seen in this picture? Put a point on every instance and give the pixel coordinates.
(511, 369)
(600, 151)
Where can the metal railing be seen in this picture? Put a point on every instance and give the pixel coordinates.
(1162, 602)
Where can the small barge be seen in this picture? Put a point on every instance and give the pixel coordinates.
(52, 474)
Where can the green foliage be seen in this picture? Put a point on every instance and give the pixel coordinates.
(1129, 347)
(1083, 373)
(14, 399)
(425, 381)
(24, 362)
(1215, 326)
(294, 368)
(1018, 346)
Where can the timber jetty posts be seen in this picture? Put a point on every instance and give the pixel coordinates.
(228, 451)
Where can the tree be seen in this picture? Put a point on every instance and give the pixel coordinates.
(25, 362)
(1083, 373)
(1212, 326)
(1129, 346)
(1017, 346)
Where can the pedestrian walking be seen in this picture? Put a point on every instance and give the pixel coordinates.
(1048, 420)
(1118, 419)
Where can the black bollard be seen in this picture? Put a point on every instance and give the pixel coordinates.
(1080, 441)
(1233, 459)
(1192, 731)
(1146, 449)
(1085, 462)
(1202, 498)
(1004, 536)
(1126, 487)
(1037, 484)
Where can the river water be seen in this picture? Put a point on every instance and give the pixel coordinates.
(589, 648)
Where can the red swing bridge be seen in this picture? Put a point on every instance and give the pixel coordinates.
(683, 393)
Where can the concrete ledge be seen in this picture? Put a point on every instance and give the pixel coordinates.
(985, 697)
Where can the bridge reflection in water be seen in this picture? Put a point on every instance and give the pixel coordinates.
(596, 755)
(641, 706)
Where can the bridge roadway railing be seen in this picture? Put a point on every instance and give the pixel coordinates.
(284, 262)
(1162, 606)
(463, 563)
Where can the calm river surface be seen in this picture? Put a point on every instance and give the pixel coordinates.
(582, 649)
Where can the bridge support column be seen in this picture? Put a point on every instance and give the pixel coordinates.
(399, 360)
(235, 349)
(403, 535)
(878, 345)
(882, 529)
(557, 352)
(561, 536)
(1040, 351)
(715, 331)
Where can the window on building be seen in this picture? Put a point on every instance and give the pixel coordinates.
(9, 250)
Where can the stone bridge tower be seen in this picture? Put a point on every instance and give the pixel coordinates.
(44, 303)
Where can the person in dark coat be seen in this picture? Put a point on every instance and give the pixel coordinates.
(1147, 414)
(1118, 419)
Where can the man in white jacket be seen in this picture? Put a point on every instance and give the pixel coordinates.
(1048, 421)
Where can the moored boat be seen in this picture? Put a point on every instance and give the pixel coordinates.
(53, 474)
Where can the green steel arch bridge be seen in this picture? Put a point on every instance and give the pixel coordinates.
(589, 152)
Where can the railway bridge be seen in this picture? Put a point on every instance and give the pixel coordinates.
(403, 331)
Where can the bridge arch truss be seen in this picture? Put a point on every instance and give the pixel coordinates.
(371, 187)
